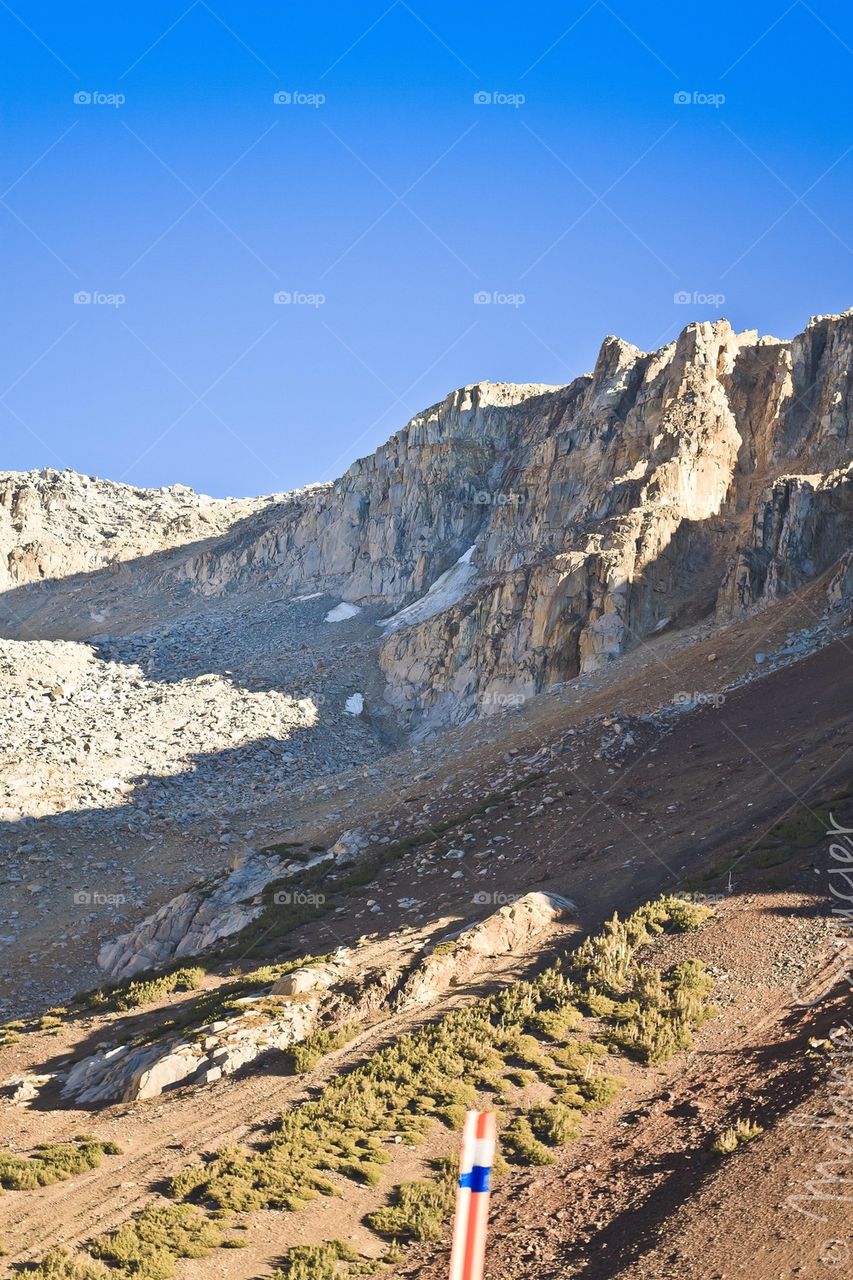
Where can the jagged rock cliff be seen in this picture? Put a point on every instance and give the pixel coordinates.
(714, 473)
(566, 524)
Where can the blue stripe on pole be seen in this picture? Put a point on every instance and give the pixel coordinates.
(479, 1178)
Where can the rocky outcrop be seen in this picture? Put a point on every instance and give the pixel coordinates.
(23, 1089)
(351, 987)
(194, 921)
(510, 930)
(801, 528)
(396, 520)
(516, 536)
(55, 523)
(629, 496)
(134, 1073)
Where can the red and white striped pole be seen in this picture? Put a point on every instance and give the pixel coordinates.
(468, 1252)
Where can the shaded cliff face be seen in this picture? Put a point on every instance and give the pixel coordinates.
(557, 526)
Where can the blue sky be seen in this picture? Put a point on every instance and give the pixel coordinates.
(581, 198)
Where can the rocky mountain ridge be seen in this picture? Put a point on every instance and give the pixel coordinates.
(55, 523)
(708, 477)
(225, 840)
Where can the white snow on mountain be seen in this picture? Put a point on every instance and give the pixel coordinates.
(342, 611)
(451, 586)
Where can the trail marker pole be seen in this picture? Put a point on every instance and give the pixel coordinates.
(470, 1224)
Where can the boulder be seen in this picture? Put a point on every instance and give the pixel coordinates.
(22, 1089)
(511, 930)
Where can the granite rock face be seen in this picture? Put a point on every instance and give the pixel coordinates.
(713, 474)
(192, 922)
(515, 536)
(55, 523)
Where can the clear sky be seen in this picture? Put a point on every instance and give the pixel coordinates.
(381, 196)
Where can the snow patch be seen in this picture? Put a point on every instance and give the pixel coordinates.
(342, 611)
(354, 704)
(451, 586)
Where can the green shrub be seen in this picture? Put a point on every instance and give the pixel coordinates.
(138, 992)
(434, 1073)
(664, 1012)
(685, 913)
(150, 1244)
(314, 1261)
(556, 1123)
(308, 1052)
(524, 1145)
(58, 1264)
(52, 1162)
(736, 1135)
(599, 1004)
(418, 1210)
(522, 1032)
(555, 1023)
(599, 1091)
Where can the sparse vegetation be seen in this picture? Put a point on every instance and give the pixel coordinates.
(666, 1010)
(524, 1032)
(444, 948)
(138, 992)
(59, 1264)
(52, 1162)
(800, 829)
(418, 1210)
(51, 1020)
(150, 1244)
(314, 1261)
(191, 1016)
(736, 1135)
(435, 1073)
(524, 1145)
(308, 1052)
